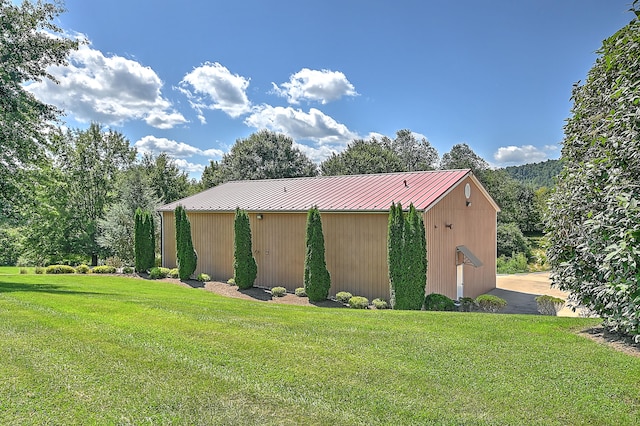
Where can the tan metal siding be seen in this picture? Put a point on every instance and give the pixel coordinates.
(473, 226)
(356, 253)
(168, 240)
(278, 241)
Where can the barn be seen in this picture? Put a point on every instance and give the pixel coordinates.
(458, 213)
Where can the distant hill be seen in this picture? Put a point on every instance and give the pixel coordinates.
(536, 174)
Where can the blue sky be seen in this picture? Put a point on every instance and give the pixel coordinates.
(191, 77)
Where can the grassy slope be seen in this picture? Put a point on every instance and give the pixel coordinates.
(96, 349)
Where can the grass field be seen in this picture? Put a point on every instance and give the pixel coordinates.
(110, 350)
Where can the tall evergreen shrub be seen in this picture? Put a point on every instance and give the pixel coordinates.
(407, 252)
(144, 240)
(245, 269)
(317, 280)
(394, 249)
(187, 257)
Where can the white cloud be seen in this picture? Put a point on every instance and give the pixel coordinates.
(516, 155)
(314, 125)
(315, 85)
(178, 150)
(317, 155)
(212, 86)
(107, 89)
(189, 167)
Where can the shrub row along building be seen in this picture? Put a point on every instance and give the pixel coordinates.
(458, 213)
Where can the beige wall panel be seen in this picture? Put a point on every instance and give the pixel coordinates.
(168, 248)
(356, 253)
(278, 241)
(212, 235)
(473, 226)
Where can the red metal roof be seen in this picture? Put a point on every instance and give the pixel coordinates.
(373, 192)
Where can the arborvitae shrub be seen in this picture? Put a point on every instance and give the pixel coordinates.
(144, 241)
(407, 256)
(343, 296)
(187, 257)
(245, 269)
(317, 280)
(394, 249)
(438, 302)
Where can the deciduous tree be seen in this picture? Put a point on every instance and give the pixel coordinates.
(30, 42)
(263, 155)
(594, 214)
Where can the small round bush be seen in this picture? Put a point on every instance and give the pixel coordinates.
(300, 292)
(82, 269)
(438, 302)
(344, 296)
(104, 269)
(467, 304)
(39, 270)
(174, 273)
(127, 270)
(358, 302)
(60, 269)
(549, 305)
(490, 303)
(157, 273)
(201, 277)
(24, 271)
(278, 291)
(231, 281)
(380, 303)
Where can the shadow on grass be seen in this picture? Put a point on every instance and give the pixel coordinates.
(8, 287)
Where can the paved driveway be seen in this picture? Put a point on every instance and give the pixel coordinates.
(520, 291)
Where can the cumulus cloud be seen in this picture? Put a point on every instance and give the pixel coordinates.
(317, 155)
(107, 89)
(313, 125)
(212, 86)
(177, 150)
(315, 85)
(516, 155)
(189, 167)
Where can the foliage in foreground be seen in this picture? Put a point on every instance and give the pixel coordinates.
(594, 214)
(91, 349)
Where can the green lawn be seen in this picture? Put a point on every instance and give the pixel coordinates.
(109, 350)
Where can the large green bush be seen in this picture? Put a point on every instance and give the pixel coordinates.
(187, 257)
(245, 269)
(438, 302)
(594, 213)
(317, 280)
(511, 240)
